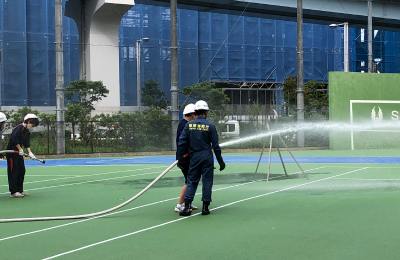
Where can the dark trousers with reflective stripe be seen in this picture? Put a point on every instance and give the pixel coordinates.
(16, 173)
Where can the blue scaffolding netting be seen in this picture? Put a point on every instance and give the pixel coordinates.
(211, 47)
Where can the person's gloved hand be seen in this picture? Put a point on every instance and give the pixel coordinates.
(31, 155)
(21, 152)
(182, 164)
(1, 156)
(220, 160)
(221, 165)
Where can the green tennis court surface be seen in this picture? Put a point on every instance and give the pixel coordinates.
(344, 211)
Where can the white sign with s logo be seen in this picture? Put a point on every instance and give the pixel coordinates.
(379, 113)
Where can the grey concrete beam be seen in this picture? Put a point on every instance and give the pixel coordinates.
(386, 14)
(98, 23)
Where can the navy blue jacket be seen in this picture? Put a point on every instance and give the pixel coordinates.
(20, 135)
(199, 135)
(181, 126)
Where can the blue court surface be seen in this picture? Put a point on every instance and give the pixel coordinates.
(227, 158)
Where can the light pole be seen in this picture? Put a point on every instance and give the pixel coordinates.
(60, 113)
(138, 83)
(370, 62)
(346, 43)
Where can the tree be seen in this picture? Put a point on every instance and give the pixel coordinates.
(47, 119)
(141, 131)
(152, 130)
(86, 92)
(316, 99)
(106, 120)
(152, 95)
(289, 91)
(254, 110)
(74, 114)
(50, 121)
(111, 125)
(124, 126)
(82, 96)
(215, 98)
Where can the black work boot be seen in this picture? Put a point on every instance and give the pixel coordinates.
(186, 211)
(205, 210)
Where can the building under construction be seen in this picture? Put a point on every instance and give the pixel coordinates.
(247, 56)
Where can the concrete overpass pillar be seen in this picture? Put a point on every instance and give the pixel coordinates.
(98, 24)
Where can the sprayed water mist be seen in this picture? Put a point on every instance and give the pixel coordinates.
(318, 126)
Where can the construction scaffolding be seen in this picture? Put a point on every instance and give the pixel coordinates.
(211, 47)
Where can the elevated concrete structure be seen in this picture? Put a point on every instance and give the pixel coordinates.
(98, 23)
(386, 13)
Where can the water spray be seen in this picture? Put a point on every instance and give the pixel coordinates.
(317, 127)
(287, 129)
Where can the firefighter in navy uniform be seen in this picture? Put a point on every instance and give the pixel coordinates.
(199, 136)
(15, 162)
(189, 115)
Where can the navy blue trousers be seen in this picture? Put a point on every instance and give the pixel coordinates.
(201, 166)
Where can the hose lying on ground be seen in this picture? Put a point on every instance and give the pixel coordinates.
(91, 214)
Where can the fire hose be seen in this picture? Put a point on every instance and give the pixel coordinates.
(91, 214)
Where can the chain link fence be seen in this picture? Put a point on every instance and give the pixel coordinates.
(155, 135)
(91, 137)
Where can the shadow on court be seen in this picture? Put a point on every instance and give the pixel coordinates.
(219, 179)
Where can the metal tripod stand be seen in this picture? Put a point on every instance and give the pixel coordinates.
(279, 152)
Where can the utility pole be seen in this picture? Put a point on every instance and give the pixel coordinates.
(300, 79)
(138, 76)
(174, 72)
(370, 36)
(59, 79)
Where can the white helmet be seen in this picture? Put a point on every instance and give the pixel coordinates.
(35, 120)
(29, 116)
(3, 117)
(188, 109)
(201, 105)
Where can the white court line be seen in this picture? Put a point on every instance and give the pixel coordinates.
(35, 175)
(118, 212)
(119, 159)
(83, 220)
(359, 179)
(90, 165)
(150, 204)
(371, 167)
(80, 176)
(76, 183)
(70, 184)
(94, 165)
(176, 220)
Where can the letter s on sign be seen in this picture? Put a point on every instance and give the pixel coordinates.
(395, 115)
